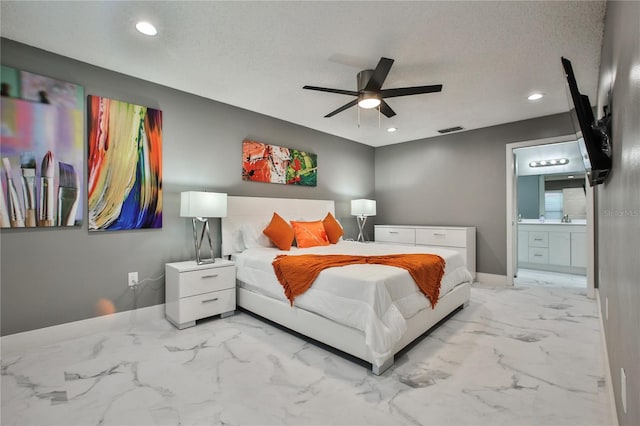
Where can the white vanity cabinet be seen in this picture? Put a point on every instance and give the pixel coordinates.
(559, 247)
(457, 238)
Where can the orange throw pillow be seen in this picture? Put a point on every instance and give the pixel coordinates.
(279, 232)
(333, 229)
(310, 234)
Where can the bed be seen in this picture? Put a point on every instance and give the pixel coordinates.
(368, 311)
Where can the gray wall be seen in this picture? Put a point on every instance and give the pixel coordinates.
(618, 206)
(457, 179)
(55, 276)
(529, 196)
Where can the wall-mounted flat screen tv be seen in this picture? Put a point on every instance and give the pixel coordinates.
(593, 137)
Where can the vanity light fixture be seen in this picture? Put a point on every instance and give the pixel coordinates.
(535, 96)
(544, 163)
(146, 28)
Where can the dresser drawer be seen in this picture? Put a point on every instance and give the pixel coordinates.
(538, 239)
(206, 280)
(395, 235)
(441, 237)
(206, 305)
(538, 255)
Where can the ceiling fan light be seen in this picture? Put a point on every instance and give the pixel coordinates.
(368, 103)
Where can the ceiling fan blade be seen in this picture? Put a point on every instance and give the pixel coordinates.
(405, 91)
(386, 110)
(342, 108)
(379, 75)
(325, 89)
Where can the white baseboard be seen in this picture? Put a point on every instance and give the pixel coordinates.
(607, 366)
(21, 342)
(491, 279)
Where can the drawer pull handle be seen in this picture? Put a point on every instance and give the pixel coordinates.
(209, 276)
(438, 234)
(537, 255)
(393, 232)
(210, 300)
(537, 239)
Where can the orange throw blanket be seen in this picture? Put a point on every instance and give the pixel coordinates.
(297, 273)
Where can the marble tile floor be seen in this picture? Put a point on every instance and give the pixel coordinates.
(515, 356)
(552, 279)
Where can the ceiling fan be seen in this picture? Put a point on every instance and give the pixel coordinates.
(370, 93)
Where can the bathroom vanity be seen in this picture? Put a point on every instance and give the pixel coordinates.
(553, 246)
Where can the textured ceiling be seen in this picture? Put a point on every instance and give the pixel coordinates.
(257, 55)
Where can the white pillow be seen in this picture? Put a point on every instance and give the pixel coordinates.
(252, 235)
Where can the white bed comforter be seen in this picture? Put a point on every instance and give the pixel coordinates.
(375, 299)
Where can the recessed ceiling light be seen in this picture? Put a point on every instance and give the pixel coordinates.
(392, 129)
(146, 28)
(535, 96)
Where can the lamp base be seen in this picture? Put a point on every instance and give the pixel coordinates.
(361, 221)
(198, 240)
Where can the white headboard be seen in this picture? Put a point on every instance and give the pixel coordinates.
(241, 210)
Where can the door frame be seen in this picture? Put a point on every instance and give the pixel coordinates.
(511, 220)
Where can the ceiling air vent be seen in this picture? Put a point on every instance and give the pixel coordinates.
(450, 129)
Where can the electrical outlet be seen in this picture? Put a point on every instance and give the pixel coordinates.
(623, 390)
(133, 279)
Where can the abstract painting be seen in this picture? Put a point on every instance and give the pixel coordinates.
(275, 164)
(41, 149)
(124, 165)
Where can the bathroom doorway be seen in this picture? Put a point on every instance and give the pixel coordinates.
(549, 215)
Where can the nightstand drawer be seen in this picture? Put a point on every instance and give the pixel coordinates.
(395, 235)
(206, 280)
(206, 305)
(441, 237)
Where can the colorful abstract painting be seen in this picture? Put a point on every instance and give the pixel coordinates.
(125, 165)
(275, 164)
(41, 148)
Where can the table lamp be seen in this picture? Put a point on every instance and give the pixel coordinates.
(362, 209)
(200, 206)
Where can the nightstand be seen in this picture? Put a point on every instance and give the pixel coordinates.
(195, 291)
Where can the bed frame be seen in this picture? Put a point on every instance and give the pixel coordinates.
(254, 209)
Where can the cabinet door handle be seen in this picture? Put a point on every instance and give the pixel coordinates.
(210, 300)
(209, 276)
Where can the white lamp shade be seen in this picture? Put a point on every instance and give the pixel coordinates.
(363, 207)
(203, 204)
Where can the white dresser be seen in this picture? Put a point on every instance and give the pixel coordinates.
(458, 238)
(196, 291)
